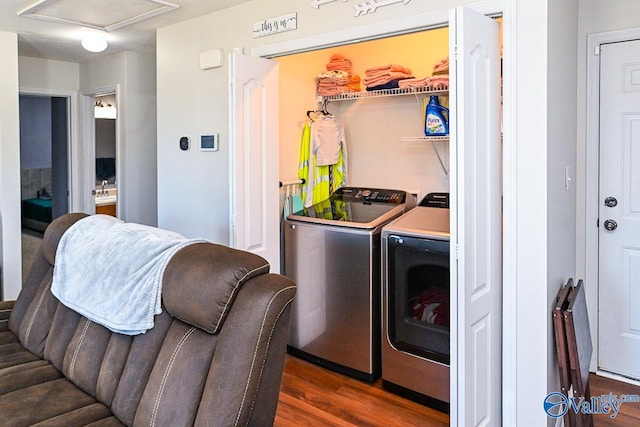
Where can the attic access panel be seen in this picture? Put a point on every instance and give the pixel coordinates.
(97, 14)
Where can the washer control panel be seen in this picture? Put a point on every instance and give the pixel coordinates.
(376, 195)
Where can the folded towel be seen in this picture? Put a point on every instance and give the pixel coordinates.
(386, 78)
(335, 74)
(435, 82)
(442, 66)
(111, 272)
(329, 91)
(354, 84)
(339, 62)
(387, 68)
(407, 83)
(439, 82)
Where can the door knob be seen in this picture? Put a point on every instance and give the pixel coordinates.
(610, 225)
(610, 202)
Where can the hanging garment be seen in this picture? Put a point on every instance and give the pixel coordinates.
(323, 159)
(303, 163)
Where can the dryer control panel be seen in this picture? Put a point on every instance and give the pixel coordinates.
(377, 195)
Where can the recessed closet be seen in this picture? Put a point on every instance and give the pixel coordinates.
(385, 135)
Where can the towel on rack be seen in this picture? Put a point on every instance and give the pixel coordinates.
(435, 82)
(388, 68)
(338, 78)
(339, 62)
(411, 83)
(383, 80)
(385, 74)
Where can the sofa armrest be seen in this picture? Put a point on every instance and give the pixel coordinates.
(244, 381)
(5, 312)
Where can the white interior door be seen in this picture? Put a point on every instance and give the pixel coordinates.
(476, 279)
(254, 205)
(619, 230)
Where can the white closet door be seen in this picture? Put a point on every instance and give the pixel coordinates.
(254, 206)
(476, 280)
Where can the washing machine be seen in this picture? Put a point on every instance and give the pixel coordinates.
(332, 252)
(416, 295)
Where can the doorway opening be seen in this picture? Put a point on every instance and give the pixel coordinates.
(44, 166)
(105, 191)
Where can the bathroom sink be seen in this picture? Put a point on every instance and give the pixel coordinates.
(105, 200)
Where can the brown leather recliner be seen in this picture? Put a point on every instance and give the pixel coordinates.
(213, 358)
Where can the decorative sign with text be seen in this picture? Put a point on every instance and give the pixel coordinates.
(279, 24)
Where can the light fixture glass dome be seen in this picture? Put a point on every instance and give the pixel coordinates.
(94, 43)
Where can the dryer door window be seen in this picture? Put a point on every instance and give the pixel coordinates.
(419, 296)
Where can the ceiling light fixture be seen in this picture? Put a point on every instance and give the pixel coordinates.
(94, 43)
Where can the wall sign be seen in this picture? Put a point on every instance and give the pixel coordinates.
(279, 24)
(361, 7)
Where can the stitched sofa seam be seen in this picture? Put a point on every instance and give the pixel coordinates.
(264, 360)
(72, 366)
(163, 383)
(255, 351)
(233, 291)
(36, 310)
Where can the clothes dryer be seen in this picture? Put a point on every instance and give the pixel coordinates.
(415, 313)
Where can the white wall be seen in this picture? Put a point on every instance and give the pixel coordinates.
(544, 147)
(11, 247)
(531, 246)
(561, 159)
(134, 73)
(48, 74)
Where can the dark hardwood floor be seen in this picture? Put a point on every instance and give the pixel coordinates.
(313, 396)
(629, 414)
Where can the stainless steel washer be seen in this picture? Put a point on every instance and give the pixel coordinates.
(416, 295)
(332, 251)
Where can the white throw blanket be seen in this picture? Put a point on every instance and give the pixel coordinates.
(111, 271)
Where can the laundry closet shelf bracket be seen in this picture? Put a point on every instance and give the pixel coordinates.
(433, 140)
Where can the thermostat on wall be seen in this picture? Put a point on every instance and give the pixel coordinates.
(209, 142)
(184, 143)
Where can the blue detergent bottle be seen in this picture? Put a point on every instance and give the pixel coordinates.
(436, 118)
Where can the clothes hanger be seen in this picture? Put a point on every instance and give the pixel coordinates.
(309, 112)
(323, 110)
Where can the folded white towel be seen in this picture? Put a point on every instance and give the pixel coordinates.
(111, 271)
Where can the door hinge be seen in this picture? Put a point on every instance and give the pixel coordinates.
(455, 52)
(597, 50)
(598, 223)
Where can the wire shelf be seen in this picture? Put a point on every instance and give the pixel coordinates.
(424, 138)
(430, 90)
